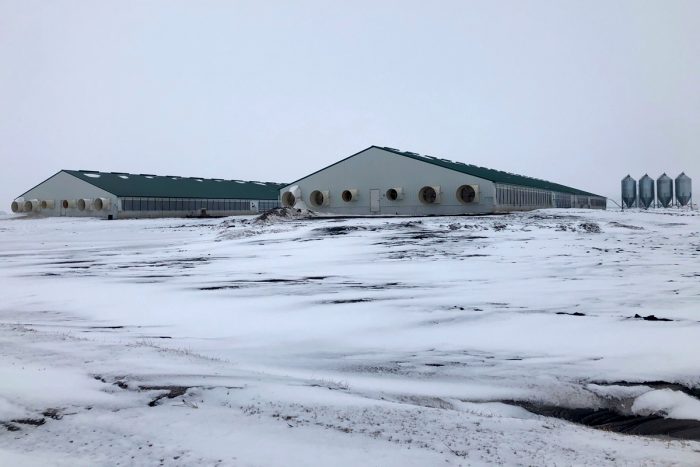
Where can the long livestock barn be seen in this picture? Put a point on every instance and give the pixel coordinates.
(113, 195)
(378, 181)
(385, 181)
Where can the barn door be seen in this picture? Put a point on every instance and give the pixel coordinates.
(374, 200)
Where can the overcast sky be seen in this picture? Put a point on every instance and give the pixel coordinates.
(580, 93)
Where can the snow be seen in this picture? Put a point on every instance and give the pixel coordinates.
(50, 386)
(329, 341)
(668, 403)
(35, 459)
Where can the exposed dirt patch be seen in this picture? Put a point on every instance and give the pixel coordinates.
(54, 414)
(348, 300)
(9, 426)
(282, 214)
(72, 262)
(610, 420)
(171, 392)
(181, 262)
(625, 226)
(30, 421)
(121, 384)
(251, 283)
(384, 286)
(608, 250)
(338, 230)
(651, 318)
(590, 227)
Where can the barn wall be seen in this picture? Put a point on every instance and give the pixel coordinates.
(379, 169)
(64, 186)
(143, 207)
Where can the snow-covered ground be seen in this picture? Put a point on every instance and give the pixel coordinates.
(347, 342)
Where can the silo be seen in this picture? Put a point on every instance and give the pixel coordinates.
(646, 191)
(683, 189)
(664, 190)
(629, 191)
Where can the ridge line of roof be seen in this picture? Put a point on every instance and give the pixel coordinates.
(83, 171)
(483, 172)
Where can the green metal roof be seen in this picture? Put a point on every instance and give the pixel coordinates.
(171, 186)
(496, 176)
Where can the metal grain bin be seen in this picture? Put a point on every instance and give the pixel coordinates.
(646, 191)
(684, 185)
(629, 191)
(664, 190)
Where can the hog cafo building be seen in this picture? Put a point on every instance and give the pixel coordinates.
(113, 195)
(378, 181)
(385, 181)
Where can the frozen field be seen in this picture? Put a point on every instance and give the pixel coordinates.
(352, 342)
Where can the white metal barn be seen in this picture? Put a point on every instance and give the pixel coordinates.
(113, 195)
(384, 181)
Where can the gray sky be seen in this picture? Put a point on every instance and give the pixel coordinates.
(580, 93)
